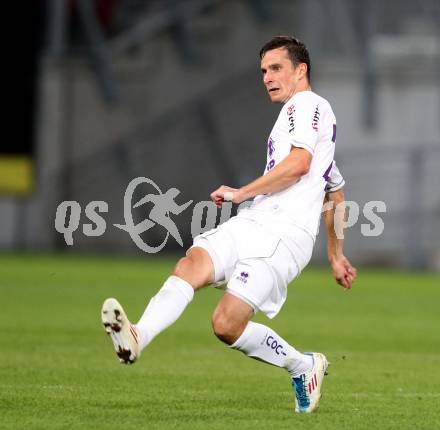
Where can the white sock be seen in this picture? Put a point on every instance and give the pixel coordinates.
(260, 342)
(164, 308)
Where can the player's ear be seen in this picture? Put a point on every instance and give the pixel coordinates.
(303, 70)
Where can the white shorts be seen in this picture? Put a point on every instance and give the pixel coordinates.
(255, 263)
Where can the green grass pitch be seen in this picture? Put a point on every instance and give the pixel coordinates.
(58, 370)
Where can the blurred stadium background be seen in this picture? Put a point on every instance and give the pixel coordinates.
(171, 90)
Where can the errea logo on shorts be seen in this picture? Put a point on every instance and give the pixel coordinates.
(243, 277)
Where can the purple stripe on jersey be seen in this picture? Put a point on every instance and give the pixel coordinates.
(326, 175)
(334, 134)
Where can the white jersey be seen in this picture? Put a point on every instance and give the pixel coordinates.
(305, 121)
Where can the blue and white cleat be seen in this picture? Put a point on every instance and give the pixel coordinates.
(124, 335)
(307, 387)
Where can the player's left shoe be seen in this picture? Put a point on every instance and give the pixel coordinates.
(307, 387)
(124, 335)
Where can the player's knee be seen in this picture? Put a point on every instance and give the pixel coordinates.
(226, 330)
(184, 267)
(195, 268)
(187, 269)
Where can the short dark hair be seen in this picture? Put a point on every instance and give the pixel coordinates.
(297, 51)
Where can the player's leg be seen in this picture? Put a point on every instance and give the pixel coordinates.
(231, 324)
(192, 272)
(261, 284)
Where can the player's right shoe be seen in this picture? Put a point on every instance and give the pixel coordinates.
(307, 387)
(123, 334)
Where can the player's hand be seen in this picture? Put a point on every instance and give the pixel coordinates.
(225, 193)
(344, 273)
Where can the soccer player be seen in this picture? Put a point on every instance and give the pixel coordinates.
(261, 250)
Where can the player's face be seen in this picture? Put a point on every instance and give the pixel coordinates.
(280, 76)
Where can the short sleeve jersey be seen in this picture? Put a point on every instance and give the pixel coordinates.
(305, 121)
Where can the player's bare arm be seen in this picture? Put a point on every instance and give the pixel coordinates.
(334, 217)
(282, 176)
